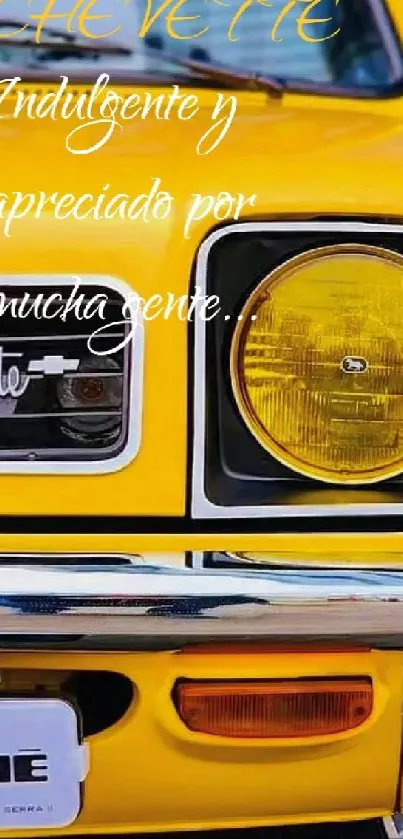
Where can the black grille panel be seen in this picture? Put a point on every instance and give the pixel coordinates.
(59, 400)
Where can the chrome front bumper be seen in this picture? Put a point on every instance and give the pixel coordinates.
(105, 603)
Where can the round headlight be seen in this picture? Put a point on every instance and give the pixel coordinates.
(317, 364)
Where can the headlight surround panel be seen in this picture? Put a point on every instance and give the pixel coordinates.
(238, 470)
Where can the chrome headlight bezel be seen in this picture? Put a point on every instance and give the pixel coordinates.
(232, 477)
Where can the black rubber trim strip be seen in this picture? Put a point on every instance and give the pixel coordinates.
(176, 525)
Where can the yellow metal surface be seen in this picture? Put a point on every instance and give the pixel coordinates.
(148, 772)
(313, 156)
(369, 547)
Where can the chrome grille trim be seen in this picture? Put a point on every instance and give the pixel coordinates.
(89, 413)
(80, 459)
(61, 560)
(100, 375)
(5, 338)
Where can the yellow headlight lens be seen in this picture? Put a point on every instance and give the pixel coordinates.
(317, 364)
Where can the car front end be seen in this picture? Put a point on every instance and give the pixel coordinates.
(201, 563)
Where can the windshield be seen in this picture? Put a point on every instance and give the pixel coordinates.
(343, 43)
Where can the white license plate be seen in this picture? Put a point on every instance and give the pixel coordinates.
(42, 764)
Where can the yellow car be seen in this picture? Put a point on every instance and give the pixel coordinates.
(201, 415)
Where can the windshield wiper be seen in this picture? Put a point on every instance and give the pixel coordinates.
(68, 41)
(228, 76)
(220, 73)
(19, 24)
(235, 78)
(75, 47)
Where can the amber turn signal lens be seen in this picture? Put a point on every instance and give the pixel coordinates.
(316, 364)
(272, 709)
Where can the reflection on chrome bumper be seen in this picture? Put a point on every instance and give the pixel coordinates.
(108, 603)
(394, 826)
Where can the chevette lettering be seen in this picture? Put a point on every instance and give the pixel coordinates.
(14, 381)
(81, 15)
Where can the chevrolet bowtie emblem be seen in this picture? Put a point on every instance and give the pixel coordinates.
(53, 365)
(14, 382)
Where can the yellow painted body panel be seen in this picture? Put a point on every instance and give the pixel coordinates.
(149, 773)
(313, 156)
(317, 544)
